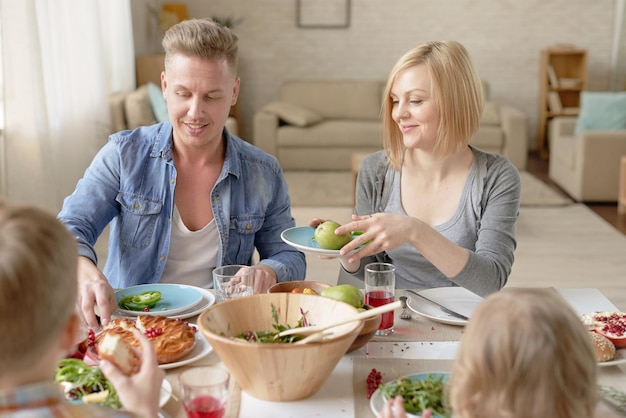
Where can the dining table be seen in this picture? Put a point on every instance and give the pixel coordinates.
(417, 345)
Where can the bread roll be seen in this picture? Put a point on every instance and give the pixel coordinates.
(114, 349)
(605, 349)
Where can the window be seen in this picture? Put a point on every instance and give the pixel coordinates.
(3, 171)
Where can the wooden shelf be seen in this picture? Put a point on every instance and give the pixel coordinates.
(562, 70)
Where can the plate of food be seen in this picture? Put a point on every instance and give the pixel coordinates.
(176, 343)
(158, 299)
(84, 383)
(608, 334)
(303, 239)
(457, 299)
(201, 349)
(416, 389)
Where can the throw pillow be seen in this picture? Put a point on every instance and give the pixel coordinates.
(157, 101)
(294, 114)
(137, 108)
(601, 111)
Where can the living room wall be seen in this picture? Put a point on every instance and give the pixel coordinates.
(505, 38)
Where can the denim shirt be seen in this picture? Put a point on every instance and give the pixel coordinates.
(130, 184)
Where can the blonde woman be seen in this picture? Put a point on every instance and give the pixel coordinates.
(442, 211)
(525, 353)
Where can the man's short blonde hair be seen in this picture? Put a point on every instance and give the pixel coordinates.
(38, 283)
(457, 90)
(525, 352)
(202, 38)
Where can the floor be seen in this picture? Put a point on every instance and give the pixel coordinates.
(608, 211)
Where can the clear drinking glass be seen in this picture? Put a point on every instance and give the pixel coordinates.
(380, 287)
(204, 391)
(233, 281)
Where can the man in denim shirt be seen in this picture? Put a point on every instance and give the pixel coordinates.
(185, 196)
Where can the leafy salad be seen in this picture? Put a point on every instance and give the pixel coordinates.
(418, 394)
(80, 380)
(272, 336)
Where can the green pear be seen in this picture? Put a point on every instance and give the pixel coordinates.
(345, 293)
(326, 238)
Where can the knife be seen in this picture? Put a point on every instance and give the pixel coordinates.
(440, 306)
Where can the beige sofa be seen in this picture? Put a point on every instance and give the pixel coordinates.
(132, 109)
(319, 124)
(586, 166)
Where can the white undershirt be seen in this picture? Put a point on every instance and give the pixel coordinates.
(192, 255)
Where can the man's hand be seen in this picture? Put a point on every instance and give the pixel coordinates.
(264, 278)
(94, 289)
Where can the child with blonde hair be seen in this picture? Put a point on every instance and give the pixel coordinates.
(524, 353)
(39, 324)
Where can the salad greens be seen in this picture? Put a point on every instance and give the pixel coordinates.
(83, 380)
(418, 394)
(270, 337)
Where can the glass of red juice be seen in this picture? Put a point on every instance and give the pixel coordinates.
(204, 391)
(380, 287)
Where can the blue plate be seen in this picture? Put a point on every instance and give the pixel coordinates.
(377, 401)
(175, 298)
(301, 237)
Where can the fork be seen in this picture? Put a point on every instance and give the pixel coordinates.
(405, 314)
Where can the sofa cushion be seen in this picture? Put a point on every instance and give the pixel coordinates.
(601, 111)
(563, 150)
(488, 137)
(336, 99)
(293, 114)
(331, 134)
(158, 103)
(491, 115)
(138, 109)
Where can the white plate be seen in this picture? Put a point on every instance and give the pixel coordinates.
(377, 402)
(208, 299)
(620, 357)
(457, 299)
(301, 238)
(166, 393)
(201, 350)
(176, 298)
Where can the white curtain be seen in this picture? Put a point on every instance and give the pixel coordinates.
(61, 60)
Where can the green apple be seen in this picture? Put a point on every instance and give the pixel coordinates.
(345, 293)
(326, 238)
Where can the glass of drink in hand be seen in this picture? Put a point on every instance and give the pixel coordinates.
(204, 391)
(233, 281)
(380, 287)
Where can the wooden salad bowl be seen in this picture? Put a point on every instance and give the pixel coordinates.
(278, 371)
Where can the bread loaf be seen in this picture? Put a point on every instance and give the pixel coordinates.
(605, 349)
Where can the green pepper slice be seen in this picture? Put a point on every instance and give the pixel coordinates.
(140, 301)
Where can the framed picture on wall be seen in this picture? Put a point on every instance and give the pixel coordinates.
(323, 13)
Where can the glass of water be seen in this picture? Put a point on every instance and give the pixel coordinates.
(233, 281)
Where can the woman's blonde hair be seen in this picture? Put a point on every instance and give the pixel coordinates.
(525, 353)
(38, 283)
(457, 90)
(202, 38)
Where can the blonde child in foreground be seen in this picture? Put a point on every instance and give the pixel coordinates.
(525, 353)
(39, 324)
